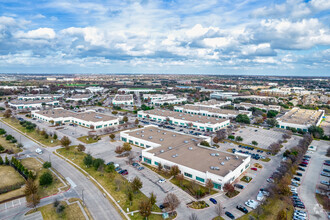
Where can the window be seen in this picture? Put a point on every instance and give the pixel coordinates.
(147, 160)
(148, 146)
(200, 179)
(130, 141)
(156, 163)
(188, 175)
(124, 139)
(216, 185)
(142, 145)
(136, 143)
(167, 167)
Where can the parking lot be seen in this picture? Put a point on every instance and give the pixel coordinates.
(264, 137)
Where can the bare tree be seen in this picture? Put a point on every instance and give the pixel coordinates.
(180, 178)
(209, 184)
(145, 208)
(172, 201)
(221, 134)
(31, 194)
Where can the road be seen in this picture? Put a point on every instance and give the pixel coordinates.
(311, 178)
(97, 204)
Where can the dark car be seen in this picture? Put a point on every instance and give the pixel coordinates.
(242, 208)
(302, 165)
(213, 201)
(327, 164)
(163, 206)
(299, 174)
(124, 173)
(230, 215)
(326, 170)
(301, 169)
(239, 186)
(120, 172)
(296, 178)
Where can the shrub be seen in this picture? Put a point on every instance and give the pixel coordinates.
(205, 143)
(47, 165)
(46, 179)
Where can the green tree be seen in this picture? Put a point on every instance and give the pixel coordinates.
(110, 168)
(112, 136)
(243, 119)
(272, 122)
(145, 208)
(47, 165)
(55, 136)
(136, 122)
(125, 119)
(239, 138)
(97, 163)
(46, 179)
(174, 170)
(136, 184)
(1, 161)
(6, 161)
(255, 143)
(316, 131)
(152, 198)
(272, 114)
(88, 160)
(81, 147)
(31, 193)
(127, 147)
(205, 143)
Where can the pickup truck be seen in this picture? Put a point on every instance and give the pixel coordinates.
(252, 204)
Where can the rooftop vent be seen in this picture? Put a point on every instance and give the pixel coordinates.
(222, 163)
(216, 168)
(213, 154)
(173, 135)
(137, 133)
(227, 158)
(190, 148)
(164, 133)
(217, 154)
(162, 151)
(170, 148)
(142, 131)
(161, 139)
(186, 142)
(142, 135)
(236, 157)
(150, 137)
(175, 155)
(150, 129)
(158, 131)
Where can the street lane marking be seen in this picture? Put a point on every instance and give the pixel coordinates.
(73, 185)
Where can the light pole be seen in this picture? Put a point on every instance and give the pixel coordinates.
(82, 196)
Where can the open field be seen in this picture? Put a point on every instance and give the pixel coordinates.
(33, 164)
(9, 146)
(33, 134)
(9, 176)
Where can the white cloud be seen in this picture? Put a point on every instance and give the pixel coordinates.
(320, 4)
(40, 33)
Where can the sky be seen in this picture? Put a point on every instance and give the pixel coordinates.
(248, 37)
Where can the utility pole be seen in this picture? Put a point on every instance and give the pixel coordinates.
(82, 196)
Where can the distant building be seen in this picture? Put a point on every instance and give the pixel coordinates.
(300, 119)
(39, 97)
(213, 103)
(86, 119)
(196, 162)
(95, 89)
(80, 97)
(201, 122)
(123, 100)
(211, 111)
(247, 106)
(29, 104)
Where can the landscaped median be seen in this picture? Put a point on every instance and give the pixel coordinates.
(62, 210)
(115, 184)
(89, 139)
(38, 135)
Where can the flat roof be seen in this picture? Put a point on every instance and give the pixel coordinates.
(211, 102)
(80, 96)
(30, 101)
(182, 149)
(86, 116)
(257, 105)
(211, 109)
(186, 116)
(123, 98)
(301, 116)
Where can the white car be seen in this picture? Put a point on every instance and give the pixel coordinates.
(252, 204)
(161, 181)
(38, 151)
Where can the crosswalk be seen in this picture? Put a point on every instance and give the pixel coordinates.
(12, 204)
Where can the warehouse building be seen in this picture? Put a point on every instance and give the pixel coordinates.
(247, 106)
(201, 122)
(28, 104)
(80, 97)
(211, 111)
(195, 162)
(123, 100)
(213, 103)
(39, 97)
(300, 119)
(87, 119)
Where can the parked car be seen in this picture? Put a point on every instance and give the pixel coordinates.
(231, 216)
(325, 183)
(325, 174)
(303, 165)
(304, 162)
(213, 201)
(296, 178)
(120, 172)
(161, 181)
(242, 208)
(163, 206)
(326, 170)
(254, 168)
(299, 174)
(140, 168)
(252, 204)
(118, 169)
(124, 173)
(327, 164)
(239, 186)
(301, 169)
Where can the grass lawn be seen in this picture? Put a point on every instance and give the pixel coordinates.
(9, 146)
(239, 143)
(246, 179)
(186, 186)
(198, 205)
(108, 181)
(9, 176)
(166, 175)
(233, 194)
(267, 159)
(323, 200)
(218, 218)
(33, 134)
(72, 211)
(88, 140)
(270, 210)
(33, 164)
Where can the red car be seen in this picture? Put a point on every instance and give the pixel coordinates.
(124, 173)
(327, 164)
(254, 168)
(304, 162)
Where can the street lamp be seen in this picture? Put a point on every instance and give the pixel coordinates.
(82, 196)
